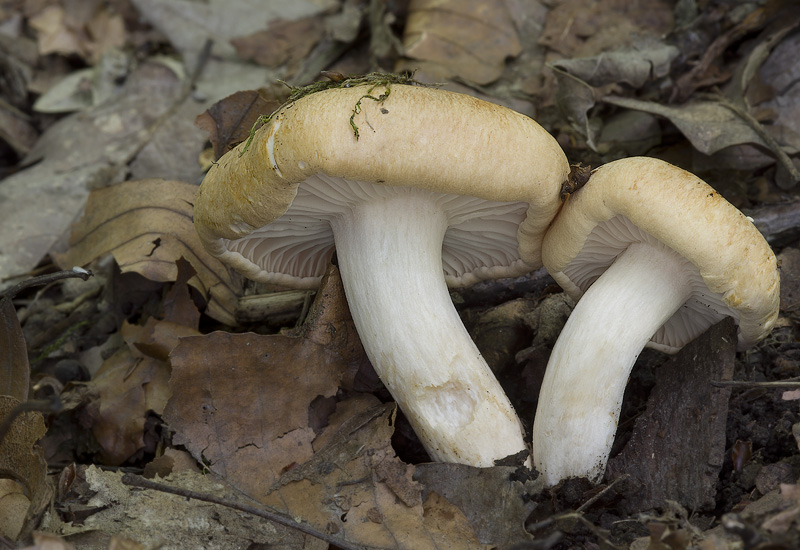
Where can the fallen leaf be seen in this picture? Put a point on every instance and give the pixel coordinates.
(229, 121)
(22, 461)
(240, 402)
(340, 491)
(147, 226)
(15, 371)
(470, 40)
(490, 498)
(79, 152)
(708, 125)
(160, 520)
(642, 62)
(282, 42)
(580, 28)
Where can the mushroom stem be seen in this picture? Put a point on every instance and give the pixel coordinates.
(389, 251)
(581, 394)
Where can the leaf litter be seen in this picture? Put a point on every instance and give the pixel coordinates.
(159, 370)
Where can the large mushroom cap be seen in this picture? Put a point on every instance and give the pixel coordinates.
(648, 200)
(448, 143)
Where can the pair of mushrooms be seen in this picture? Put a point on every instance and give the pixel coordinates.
(441, 189)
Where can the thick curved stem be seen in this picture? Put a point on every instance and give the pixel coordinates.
(581, 395)
(389, 253)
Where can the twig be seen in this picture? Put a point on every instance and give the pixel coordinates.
(577, 513)
(789, 384)
(75, 273)
(281, 519)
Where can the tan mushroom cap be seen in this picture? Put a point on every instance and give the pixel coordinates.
(418, 137)
(733, 261)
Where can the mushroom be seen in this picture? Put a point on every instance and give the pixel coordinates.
(655, 256)
(438, 189)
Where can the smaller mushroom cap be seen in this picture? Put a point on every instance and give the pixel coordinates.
(649, 200)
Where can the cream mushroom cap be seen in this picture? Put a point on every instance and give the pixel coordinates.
(654, 256)
(638, 198)
(431, 174)
(418, 137)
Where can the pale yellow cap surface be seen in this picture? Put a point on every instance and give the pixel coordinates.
(418, 137)
(686, 214)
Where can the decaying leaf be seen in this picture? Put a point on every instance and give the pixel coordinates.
(230, 120)
(23, 464)
(490, 498)
(468, 40)
(241, 402)
(356, 489)
(147, 226)
(14, 367)
(160, 520)
(282, 42)
(633, 66)
(708, 125)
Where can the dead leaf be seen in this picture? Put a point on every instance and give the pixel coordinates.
(490, 498)
(85, 32)
(240, 402)
(469, 40)
(147, 226)
(22, 461)
(708, 125)
(339, 491)
(79, 152)
(580, 28)
(15, 371)
(642, 62)
(160, 520)
(229, 121)
(282, 42)
(124, 390)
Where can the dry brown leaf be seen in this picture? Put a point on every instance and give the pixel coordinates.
(147, 226)
(468, 39)
(240, 402)
(341, 491)
(84, 32)
(282, 42)
(582, 28)
(22, 461)
(125, 388)
(15, 372)
(228, 121)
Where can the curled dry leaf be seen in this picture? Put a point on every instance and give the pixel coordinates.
(469, 40)
(230, 120)
(14, 368)
(282, 42)
(22, 463)
(240, 402)
(147, 226)
(356, 489)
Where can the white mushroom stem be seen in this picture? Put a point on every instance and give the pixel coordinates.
(581, 395)
(390, 256)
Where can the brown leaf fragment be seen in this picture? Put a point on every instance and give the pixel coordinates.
(240, 402)
(23, 464)
(467, 39)
(282, 42)
(229, 121)
(341, 491)
(491, 499)
(147, 226)
(683, 428)
(15, 371)
(127, 387)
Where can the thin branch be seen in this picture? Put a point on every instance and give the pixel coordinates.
(281, 519)
(787, 384)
